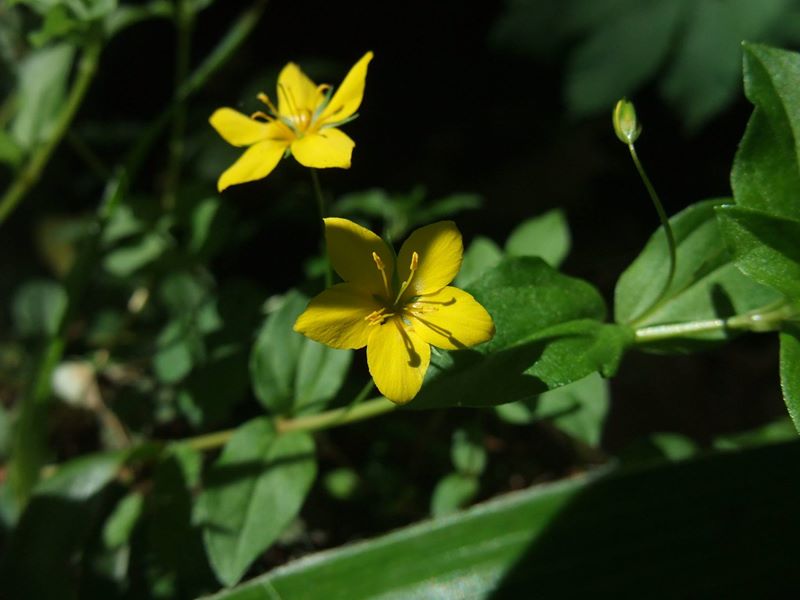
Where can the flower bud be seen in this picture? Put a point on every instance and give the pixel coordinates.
(626, 126)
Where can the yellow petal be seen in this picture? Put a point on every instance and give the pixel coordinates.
(256, 163)
(328, 148)
(397, 359)
(348, 96)
(296, 92)
(451, 319)
(350, 247)
(336, 317)
(439, 249)
(238, 129)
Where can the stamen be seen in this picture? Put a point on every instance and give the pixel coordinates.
(418, 309)
(377, 317)
(265, 99)
(413, 269)
(382, 269)
(261, 115)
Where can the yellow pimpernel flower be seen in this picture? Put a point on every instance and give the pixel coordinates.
(397, 308)
(304, 123)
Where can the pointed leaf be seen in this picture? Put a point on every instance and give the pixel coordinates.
(252, 492)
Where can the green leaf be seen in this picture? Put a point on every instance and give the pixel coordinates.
(81, 478)
(289, 372)
(481, 256)
(706, 285)
(211, 222)
(765, 247)
(320, 373)
(175, 541)
(551, 358)
(790, 371)
(120, 523)
(275, 354)
(214, 387)
(703, 76)
(127, 15)
(467, 452)
(10, 151)
(342, 483)
(42, 87)
(765, 173)
(658, 448)
(252, 492)
(175, 355)
(58, 23)
(126, 260)
(548, 334)
(666, 522)
(546, 236)
(443, 208)
(37, 308)
(617, 58)
(782, 430)
(579, 409)
(453, 492)
(55, 528)
(524, 295)
(86, 10)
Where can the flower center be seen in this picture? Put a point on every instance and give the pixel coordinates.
(299, 120)
(403, 308)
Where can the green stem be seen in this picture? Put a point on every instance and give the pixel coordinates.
(32, 170)
(184, 20)
(88, 156)
(762, 320)
(326, 420)
(662, 216)
(322, 210)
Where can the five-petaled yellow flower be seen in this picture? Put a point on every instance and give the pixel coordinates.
(304, 123)
(397, 308)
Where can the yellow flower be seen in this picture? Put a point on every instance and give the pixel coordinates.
(304, 123)
(397, 322)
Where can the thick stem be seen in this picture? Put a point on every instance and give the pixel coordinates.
(32, 170)
(662, 216)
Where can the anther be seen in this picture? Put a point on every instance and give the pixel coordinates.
(265, 99)
(377, 317)
(382, 269)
